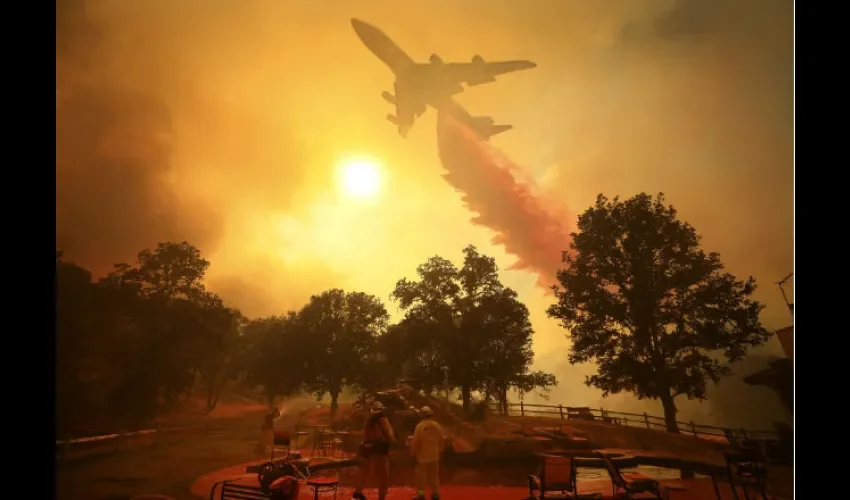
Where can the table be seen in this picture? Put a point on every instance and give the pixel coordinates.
(317, 429)
(323, 484)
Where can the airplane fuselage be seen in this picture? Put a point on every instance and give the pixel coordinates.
(418, 85)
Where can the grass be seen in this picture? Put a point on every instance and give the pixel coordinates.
(169, 466)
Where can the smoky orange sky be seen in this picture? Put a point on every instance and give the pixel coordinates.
(222, 123)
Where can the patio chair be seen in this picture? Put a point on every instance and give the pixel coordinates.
(748, 467)
(556, 475)
(630, 487)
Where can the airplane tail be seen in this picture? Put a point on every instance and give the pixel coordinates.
(498, 129)
(485, 127)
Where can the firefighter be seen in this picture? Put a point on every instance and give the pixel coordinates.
(427, 445)
(374, 452)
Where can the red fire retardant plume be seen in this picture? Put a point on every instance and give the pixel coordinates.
(529, 229)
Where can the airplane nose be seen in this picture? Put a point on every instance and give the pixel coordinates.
(357, 24)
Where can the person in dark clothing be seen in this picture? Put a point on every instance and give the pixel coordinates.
(378, 437)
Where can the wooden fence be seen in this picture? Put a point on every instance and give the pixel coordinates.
(630, 420)
(109, 443)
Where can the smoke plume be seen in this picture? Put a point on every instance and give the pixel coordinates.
(113, 155)
(533, 231)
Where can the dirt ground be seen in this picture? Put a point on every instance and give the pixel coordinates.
(610, 435)
(168, 465)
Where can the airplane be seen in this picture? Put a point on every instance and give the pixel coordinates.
(419, 84)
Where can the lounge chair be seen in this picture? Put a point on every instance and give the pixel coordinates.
(748, 466)
(557, 474)
(630, 487)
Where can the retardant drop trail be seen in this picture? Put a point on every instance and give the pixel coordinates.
(525, 225)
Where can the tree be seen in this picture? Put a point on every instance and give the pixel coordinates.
(658, 314)
(215, 340)
(507, 354)
(274, 356)
(467, 320)
(163, 320)
(340, 330)
(80, 362)
(140, 339)
(413, 344)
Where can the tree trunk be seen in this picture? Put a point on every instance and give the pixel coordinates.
(211, 394)
(669, 411)
(467, 396)
(503, 400)
(214, 389)
(334, 402)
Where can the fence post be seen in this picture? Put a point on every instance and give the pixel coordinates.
(694, 429)
(646, 419)
(521, 409)
(561, 410)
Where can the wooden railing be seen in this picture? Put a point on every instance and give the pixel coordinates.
(108, 443)
(629, 419)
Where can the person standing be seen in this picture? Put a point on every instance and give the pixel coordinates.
(378, 437)
(427, 445)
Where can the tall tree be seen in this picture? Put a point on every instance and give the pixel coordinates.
(81, 362)
(508, 353)
(468, 317)
(655, 312)
(274, 356)
(340, 330)
(215, 338)
(157, 309)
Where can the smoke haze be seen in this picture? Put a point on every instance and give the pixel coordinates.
(221, 123)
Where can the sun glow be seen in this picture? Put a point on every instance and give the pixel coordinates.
(359, 177)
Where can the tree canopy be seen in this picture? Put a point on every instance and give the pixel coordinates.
(466, 320)
(340, 331)
(658, 315)
(150, 336)
(144, 335)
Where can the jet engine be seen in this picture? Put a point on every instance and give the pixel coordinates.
(435, 59)
(483, 77)
(388, 97)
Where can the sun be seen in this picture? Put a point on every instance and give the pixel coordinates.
(359, 177)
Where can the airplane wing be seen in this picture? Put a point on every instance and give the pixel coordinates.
(478, 71)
